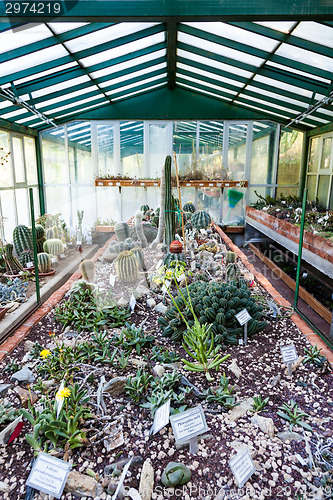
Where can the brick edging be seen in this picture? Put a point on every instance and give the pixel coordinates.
(312, 337)
(12, 342)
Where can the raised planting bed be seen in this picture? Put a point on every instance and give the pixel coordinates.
(156, 183)
(317, 251)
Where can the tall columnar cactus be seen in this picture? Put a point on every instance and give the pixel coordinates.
(144, 208)
(13, 266)
(40, 237)
(22, 237)
(54, 247)
(138, 252)
(127, 267)
(139, 228)
(189, 207)
(201, 220)
(230, 257)
(122, 231)
(169, 206)
(87, 269)
(44, 262)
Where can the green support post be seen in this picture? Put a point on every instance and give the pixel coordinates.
(304, 164)
(300, 247)
(33, 229)
(40, 174)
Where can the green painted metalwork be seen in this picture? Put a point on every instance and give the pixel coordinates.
(39, 161)
(304, 164)
(320, 130)
(300, 247)
(171, 36)
(33, 229)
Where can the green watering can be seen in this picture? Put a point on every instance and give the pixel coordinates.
(234, 197)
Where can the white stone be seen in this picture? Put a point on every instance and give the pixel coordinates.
(83, 485)
(160, 308)
(265, 424)
(241, 410)
(235, 369)
(159, 370)
(146, 481)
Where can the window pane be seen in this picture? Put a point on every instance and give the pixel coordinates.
(326, 154)
(6, 178)
(54, 158)
(23, 208)
(57, 201)
(8, 212)
(184, 144)
(290, 157)
(18, 159)
(79, 151)
(262, 158)
(83, 198)
(314, 155)
(237, 150)
(323, 185)
(311, 185)
(109, 204)
(30, 160)
(210, 149)
(131, 149)
(105, 150)
(159, 148)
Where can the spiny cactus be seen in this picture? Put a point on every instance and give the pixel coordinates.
(144, 208)
(138, 252)
(44, 262)
(40, 237)
(189, 207)
(230, 257)
(201, 220)
(232, 271)
(149, 231)
(22, 237)
(13, 266)
(53, 247)
(87, 269)
(127, 267)
(216, 304)
(122, 231)
(169, 206)
(139, 228)
(174, 257)
(52, 233)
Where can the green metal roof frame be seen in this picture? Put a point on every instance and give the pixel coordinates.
(230, 73)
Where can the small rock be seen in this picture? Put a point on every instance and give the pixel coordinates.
(159, 370)
(83, 485)
(4, 388)
(26, 396)
(235, 369)
(289, 436)
(151, 303)
(115, 386)
(241, 410)
(275, 380)
(266, 425)
(114, 439)
(239, 446)
(133, 494)
(122, 302)
(146, 481)
(28, 345)
(24, 375)
(160, 308)
(140, 291)
(4, 486)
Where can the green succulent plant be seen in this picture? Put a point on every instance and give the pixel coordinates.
(175, 474)
(294, 415)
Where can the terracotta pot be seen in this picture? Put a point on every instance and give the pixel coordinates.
(176, 247)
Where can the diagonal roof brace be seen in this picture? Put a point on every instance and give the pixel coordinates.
(17, 101)
(312, 108)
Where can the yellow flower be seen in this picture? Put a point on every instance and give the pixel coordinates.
(63, 393)
(45, 353)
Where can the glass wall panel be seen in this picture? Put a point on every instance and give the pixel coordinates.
(184, 145)
(210, 149)
(83, 198)
(8, 212)
(263, 191)
(262, 156)
(159, 148)
(5, 161)
(323, 187)
(108, 202)
(311, 185)
(325, 161)
(57, 201)
(234, 206)
(23, 207)
(18, 159)
(290, 158)
(30, 160)
(314, 154)
(237, 151)
(79, 153)
(105, 150)
(131, 149)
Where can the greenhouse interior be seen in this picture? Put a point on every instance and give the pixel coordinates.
(166, 250)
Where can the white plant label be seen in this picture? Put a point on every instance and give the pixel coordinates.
(121, 479)
(242, 467)
(243, 317)
(164, 289)
(54, 260)
(62, 255)
(159, 264)
(289, 354)
(112, 279)
(8, 431)
(132, 302)
(29, 265)
(59, 399)
(162, 416)
(181, 278)
(193, 265)
(188, 424)
(49, 474)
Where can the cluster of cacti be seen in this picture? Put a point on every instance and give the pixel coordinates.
(116, 247)
(52, 233)
(87, 269)
(22, 237)
(201, 276)
(169, 205)
(13, 266)
(201, 220)
(214, 303)
(122, 231)
(189, 207)
(139, 228)
(127, 267)
(211, 247)
(54, 247)
(149, 231)
(174, 257)
(44, 262)
(144, 208)
(40, 237)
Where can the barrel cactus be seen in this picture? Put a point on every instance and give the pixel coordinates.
(87, 269)
(13, 266)
(52, 233)
(54, 247)
(127, 267)
(44, 262)
(40, 237)
(189, 207)
(22, 237)
(175, 474)
(201, 220)
(138, 252)
(230, 257)
(174, 257)
(144, 208)
(122, 231)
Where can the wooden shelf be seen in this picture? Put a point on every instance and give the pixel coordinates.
(156, 183)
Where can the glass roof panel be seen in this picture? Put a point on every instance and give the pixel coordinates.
(297, 71)
(219, 49)
(267, 103)
(305, 56)
(70, 95)
(210, 85)
(10, 40)
(128, 64)
(205, 92)
(61, 86)
(284, 86)
(284, 26)
(86, 108)
(276, 95)
(56, 109)
(152, 87)
(126, 48)
(63, 27)
(37, 76)
(107, 34)
(135, 74)
(30, 60)
(12, 114)
(257, 108)
(208, 74)
(315, 32)
(237, 34)
(130, 86)
(213, 63)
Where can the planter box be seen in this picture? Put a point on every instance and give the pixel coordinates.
(156, 183)
(104, 229)
(317, 251)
